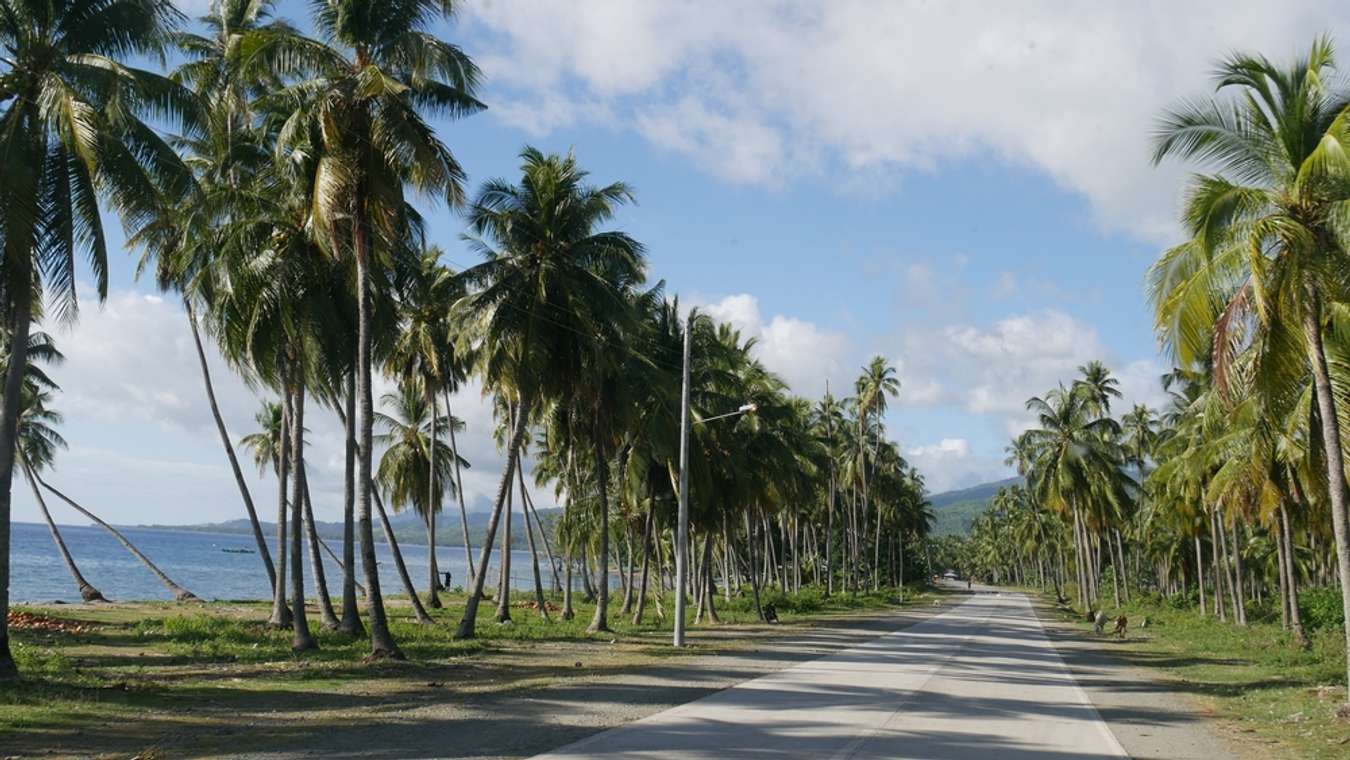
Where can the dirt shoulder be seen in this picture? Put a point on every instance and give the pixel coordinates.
(589, 699)
(508, 699)
(1151, 715)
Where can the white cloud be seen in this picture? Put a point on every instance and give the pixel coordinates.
(132, 374)
(992, 370)
(749, 89)
(950, 463)
(801, 352)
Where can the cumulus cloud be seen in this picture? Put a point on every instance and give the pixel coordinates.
(804, 354)
(748, 89)
(950, 463)
(993, 369)
(132, 373)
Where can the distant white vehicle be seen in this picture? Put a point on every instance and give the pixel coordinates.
(950, 575)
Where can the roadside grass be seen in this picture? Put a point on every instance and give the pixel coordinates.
(124, 661)
(1256, 679)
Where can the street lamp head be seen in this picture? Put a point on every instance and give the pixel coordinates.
(748, 408)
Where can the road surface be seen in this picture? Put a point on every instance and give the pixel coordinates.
(979, 681)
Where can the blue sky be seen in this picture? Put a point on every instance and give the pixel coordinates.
(964, 188)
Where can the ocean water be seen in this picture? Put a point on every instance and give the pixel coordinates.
(198, 562)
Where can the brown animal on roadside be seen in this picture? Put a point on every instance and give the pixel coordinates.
(1121, 623)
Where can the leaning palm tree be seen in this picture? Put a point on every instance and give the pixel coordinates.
(363, 95)
(38, 442)
(72, 140)
(543, 305)
(1268, 240)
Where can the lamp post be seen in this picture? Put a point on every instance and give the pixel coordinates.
(682, 523)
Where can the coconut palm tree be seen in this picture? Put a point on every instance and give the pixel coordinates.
(413, 456)
(423, 353)
(38, 442)
(359, 111)
(544, 304)
(73, 138)
(1268, 239)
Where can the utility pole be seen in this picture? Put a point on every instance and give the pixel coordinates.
(682, 529)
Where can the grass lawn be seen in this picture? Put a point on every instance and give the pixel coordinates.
(120, 677)
(1255, 679)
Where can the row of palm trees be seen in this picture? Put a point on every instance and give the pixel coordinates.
(276, 204)
(1238, 490)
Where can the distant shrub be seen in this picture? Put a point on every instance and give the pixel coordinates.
(1321, 608)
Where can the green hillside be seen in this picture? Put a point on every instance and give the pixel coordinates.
(956, 510)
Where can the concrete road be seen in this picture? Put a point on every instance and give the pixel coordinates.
(979, 681)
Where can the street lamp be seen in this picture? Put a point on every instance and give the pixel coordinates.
(682, 529)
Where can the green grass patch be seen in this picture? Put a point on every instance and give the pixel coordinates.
(127, 659)
(1257, 678)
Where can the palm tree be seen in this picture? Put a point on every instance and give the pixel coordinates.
(1268, 233)
(543, 306)
(72, 138)
(423, 353)
(38, 442)
(414, 457)
(379, 72)
(1076, 467)
(269, 446)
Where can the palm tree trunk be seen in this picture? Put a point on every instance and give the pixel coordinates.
(543, 534)
(301, 639)
(504, 564)
(829, 536)
(726, 559)
(567, 613)
(709, 588)
(467, 623)
(327, 616)
(1291, 567)
(419, 612)
(1239, 607)
(281, 614)
(1335, 460)
(433, 572)
(1124, 574)
(1200, 573)
(534, 553)
(20, 321)
(351, 617)
(1283, 567)
(627, 577)
(381, 639)
(754, 574)
(337, 560)
(459, 492)
(587, 581)
(1216, 569)
(180, 594)
(258, 537)
(87, 591)
(646, 565)
(601, 620)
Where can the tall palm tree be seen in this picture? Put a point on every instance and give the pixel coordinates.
(543, 306)
(414, 457)
(71, 138)
(364, 97)
(423, 353)
(1268, 238)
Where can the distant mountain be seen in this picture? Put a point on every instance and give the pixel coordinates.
(957, 510)
(407, 527)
